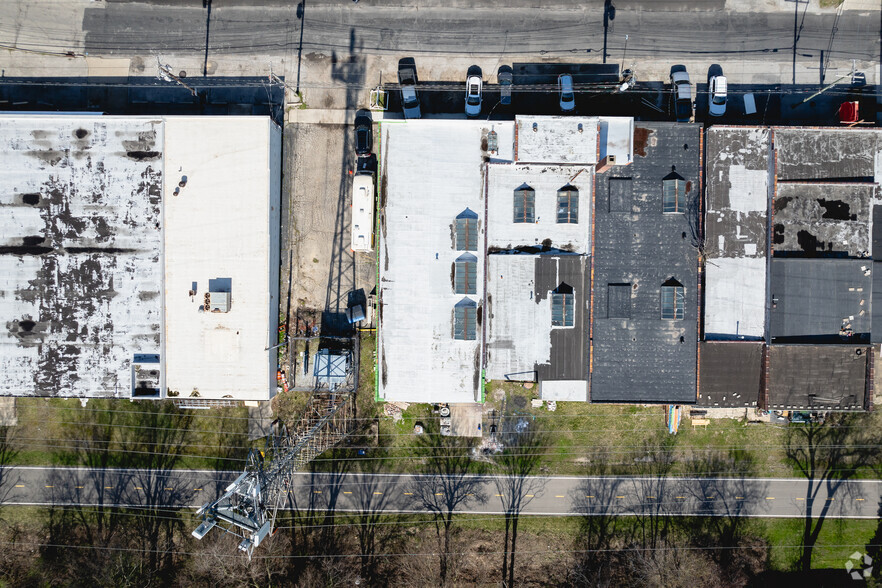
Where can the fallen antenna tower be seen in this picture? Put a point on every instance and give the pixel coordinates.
(248, 506)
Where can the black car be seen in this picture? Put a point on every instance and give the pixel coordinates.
(505, 78)
(364, 135)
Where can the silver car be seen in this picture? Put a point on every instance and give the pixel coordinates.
(567, 96)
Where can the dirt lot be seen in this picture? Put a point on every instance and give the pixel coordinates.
(319, 271)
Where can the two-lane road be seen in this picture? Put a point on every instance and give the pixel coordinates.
(400, 493)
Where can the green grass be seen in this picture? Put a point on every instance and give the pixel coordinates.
(839, 538)
(48, 431)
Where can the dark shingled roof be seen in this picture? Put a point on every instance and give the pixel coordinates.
(731, 372)
(644, 358)
(812, 299)
(569, 346)
(818, 377)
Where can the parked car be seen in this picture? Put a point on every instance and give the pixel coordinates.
(473, 95)
(682, 93)
(505, 79)
(717, 104)
(567, 96)
(410, 101)
(364, 135)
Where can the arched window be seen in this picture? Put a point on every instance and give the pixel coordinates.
(465, 274)
(673, 300)
(466, 230)
(465, 320)
(563, 306)
(525, 204)
(568, 205)
(674, 193)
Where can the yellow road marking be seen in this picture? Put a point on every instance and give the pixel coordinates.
(316, 491)
(858, 498)
(79, 486)
(19, 485)
(169, 488)
(739, 498)
(376, 493)
(619, 496)
(559, 496)
(439, 494)
(800, 498)
(138, 488)
(528, 495)
(770, 498)
(499, 495)
(345, 492)
(709, 497)
(589, 496)
(108, 487)
(408, 493)
(831, 499)
(197, 489)
(50, 486)
(653, 497)
(681, 497)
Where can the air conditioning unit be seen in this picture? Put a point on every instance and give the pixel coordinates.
(219, 302)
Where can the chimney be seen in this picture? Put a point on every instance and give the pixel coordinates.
(605, 163)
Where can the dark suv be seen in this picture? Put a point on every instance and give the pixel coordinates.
(682, 93)
(364, 135)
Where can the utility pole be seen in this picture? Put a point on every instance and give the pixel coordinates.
(165, 74)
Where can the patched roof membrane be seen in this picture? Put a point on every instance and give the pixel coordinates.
(80, 249)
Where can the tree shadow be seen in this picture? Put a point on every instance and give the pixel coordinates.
(449, 479)
(517, 463)
(828, 454)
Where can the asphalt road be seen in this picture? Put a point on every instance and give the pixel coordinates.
(560, 496)
(658, 29)
(125, 27)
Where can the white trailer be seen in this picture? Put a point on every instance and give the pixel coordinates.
(363, 211)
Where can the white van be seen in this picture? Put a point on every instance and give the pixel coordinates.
(363, 211)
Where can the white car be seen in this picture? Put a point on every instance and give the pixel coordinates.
(717, 104)
(567, 97)
(473, 96)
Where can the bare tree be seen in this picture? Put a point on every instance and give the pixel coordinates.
(523, 449)
(448, 482)
(827, 454)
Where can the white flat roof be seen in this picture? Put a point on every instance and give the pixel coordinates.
(80, 247)
(564, 390)
(518, 328)
(431, 172)
(617, 138)
(504, 233)
(556, 139)
(735, 297)
(219, 234)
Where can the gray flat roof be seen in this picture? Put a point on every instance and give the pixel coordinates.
(735, 247)
(814, 298)
(80, 252)
(645, 358)
(828, 153)
(522, 344)
(822, 219)
(818, 377)
(731, 373)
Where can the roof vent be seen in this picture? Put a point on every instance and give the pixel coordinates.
(535, 127)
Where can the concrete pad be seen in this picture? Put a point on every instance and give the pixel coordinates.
(8, 415)
(465, 420)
